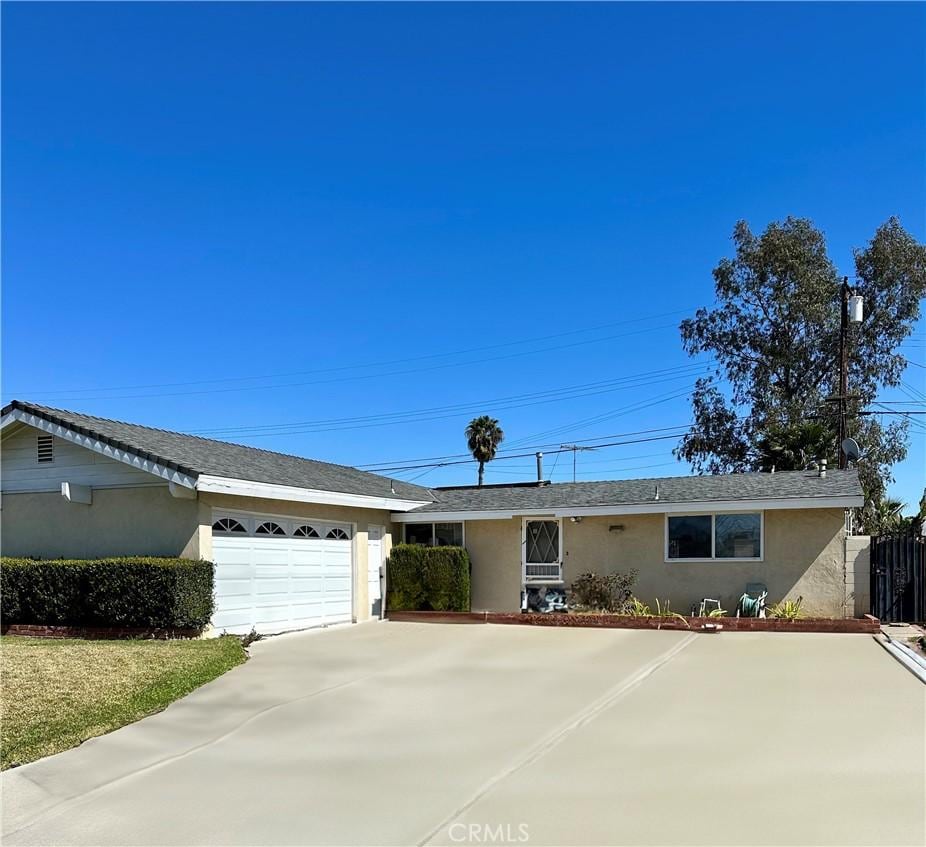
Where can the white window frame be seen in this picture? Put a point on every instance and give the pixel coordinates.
(533, 580)
(433, 530)
(251, 520)
(713, 516)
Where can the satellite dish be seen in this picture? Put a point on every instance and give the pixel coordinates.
(851, 449)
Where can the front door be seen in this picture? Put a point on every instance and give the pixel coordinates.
(542, 551)
(374, 569)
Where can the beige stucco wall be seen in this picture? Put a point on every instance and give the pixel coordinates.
(119, 522)
(804, 556)
(149, 521)
(360, 518)
(858, 575)
(494, 549)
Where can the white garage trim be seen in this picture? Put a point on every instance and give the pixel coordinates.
(275, 580)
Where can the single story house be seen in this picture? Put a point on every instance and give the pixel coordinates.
(301, 543)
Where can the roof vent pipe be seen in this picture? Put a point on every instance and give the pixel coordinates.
(539, 467)
(656, 496)
(823, 469)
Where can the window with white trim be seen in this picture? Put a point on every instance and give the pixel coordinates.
(338, 534)
(269, 528)
(44, 449)
(434, 534)
(306, 531)
(734, 535)
(228, 526)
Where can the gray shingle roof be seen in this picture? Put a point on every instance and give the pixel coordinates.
(678, 489)
(194, 456)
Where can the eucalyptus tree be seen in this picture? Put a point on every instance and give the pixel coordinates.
(773, 334)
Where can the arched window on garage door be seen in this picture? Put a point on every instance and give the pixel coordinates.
(229, 526)
(269, 528)
(338, 534)
(306, 531)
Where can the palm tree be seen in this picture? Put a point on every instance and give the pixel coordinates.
(886, 517)
(794, 448)
(483, 435)
(889, 516)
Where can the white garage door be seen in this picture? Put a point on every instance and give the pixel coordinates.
(277, 574)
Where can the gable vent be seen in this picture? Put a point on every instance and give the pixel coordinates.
(45, 448)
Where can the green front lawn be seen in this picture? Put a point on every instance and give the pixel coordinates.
(57, 693)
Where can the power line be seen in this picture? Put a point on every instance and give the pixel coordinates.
(614, 413)
(525, 455)
(626, 410)
(565, 392)
(524, 469)
(589, 389)
(55, 392)
(373, 465)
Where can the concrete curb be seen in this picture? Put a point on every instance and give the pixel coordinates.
(908, 658)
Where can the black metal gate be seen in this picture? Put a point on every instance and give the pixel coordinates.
(898, 578)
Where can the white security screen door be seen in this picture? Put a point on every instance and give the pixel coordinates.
(542, 551)
(374, 567)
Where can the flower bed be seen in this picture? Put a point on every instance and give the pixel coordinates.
(867, 624)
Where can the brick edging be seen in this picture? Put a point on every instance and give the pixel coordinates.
(868, 624)
(31, 630)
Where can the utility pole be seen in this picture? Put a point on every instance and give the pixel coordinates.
(850, 310)
(843, 366)
(575, 449)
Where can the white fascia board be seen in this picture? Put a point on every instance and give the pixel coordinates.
(654, 508)
(441, 517)
(97, 446)
(271, 491)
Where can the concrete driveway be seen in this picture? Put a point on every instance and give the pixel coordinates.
(393, 733)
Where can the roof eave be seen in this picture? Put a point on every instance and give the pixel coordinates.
(17, 412)
(655, 507)
(271, 491)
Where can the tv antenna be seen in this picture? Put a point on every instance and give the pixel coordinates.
(575, 450)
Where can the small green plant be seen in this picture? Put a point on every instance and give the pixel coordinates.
(665, 611)
(250, 638)
(787, 610)
(717, 613)
(636, 608)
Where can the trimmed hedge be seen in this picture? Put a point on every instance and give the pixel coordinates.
(427, 579)
(118, 592)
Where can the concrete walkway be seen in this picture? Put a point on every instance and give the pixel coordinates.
(416, 733)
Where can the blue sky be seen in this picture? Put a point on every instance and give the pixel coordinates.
(280, 223)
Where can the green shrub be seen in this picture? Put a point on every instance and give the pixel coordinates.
(603, 592)
(428, 579)
(121, 592)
